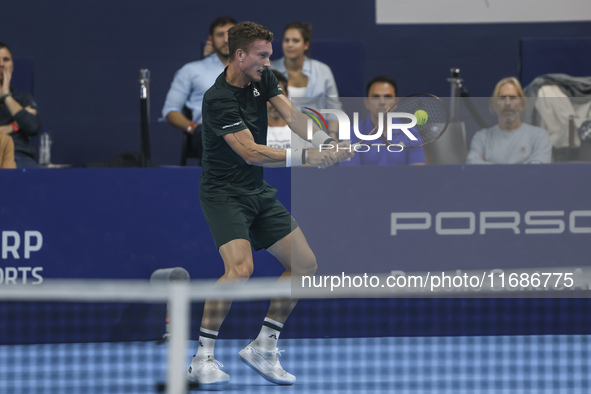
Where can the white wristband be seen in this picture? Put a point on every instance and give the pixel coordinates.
(320, 137)
(288, 157)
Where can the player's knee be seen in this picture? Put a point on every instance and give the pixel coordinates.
(241, 270)
(308, 265)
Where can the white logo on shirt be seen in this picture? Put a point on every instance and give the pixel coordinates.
(255, 92)
(230, 125)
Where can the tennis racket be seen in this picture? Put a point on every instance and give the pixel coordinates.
(432, 118)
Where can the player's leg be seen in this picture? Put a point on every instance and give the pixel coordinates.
(262, 354)
(295, 255)
(228, 222)
(238, 264)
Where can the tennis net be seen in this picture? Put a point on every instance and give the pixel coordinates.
(103, 337)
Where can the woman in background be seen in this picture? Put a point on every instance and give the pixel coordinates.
(310, 82)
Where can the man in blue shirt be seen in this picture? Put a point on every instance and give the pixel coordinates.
(192, 81)
(381, 94)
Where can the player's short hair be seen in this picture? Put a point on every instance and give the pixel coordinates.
(379, 79)
(221, 21)
(282, 80)
(304, 28)
(3, 45)
(244, 34)
(497, 91)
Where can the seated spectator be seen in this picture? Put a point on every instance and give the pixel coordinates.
(279, 135)
(182, 107)
(6, 152)
(309, 80)
(511, 141)
(381, 93)
(18, 114)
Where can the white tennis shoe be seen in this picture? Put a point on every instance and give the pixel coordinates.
(207, 371)
(266, 364)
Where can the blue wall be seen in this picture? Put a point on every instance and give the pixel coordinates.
(88, 55)
(125, 223)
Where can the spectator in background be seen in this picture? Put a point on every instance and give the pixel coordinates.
(309, 80)
(381, 94)
(18, 114)
(511, 141)
(182, 108)
(279, 135)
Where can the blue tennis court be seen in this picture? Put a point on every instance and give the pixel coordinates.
(540, 364)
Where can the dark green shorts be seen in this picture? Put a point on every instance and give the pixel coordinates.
(259, 218)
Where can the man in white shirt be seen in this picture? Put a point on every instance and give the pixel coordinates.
(511, 141)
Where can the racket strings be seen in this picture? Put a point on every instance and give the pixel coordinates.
(432, 119)
(431, 122)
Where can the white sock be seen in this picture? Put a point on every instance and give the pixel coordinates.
(206, 343)
(267, 339)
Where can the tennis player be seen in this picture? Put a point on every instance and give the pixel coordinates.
(240, 207)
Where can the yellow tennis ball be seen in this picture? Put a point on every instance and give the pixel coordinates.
(421, 116)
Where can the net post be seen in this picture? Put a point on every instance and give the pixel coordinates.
(179, 313)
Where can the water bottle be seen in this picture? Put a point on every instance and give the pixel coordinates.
(45, 149)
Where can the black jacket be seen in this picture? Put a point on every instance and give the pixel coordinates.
(29, 124)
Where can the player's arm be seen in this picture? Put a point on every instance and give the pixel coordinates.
(332, 94)
(243, 143)
(298, 122)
